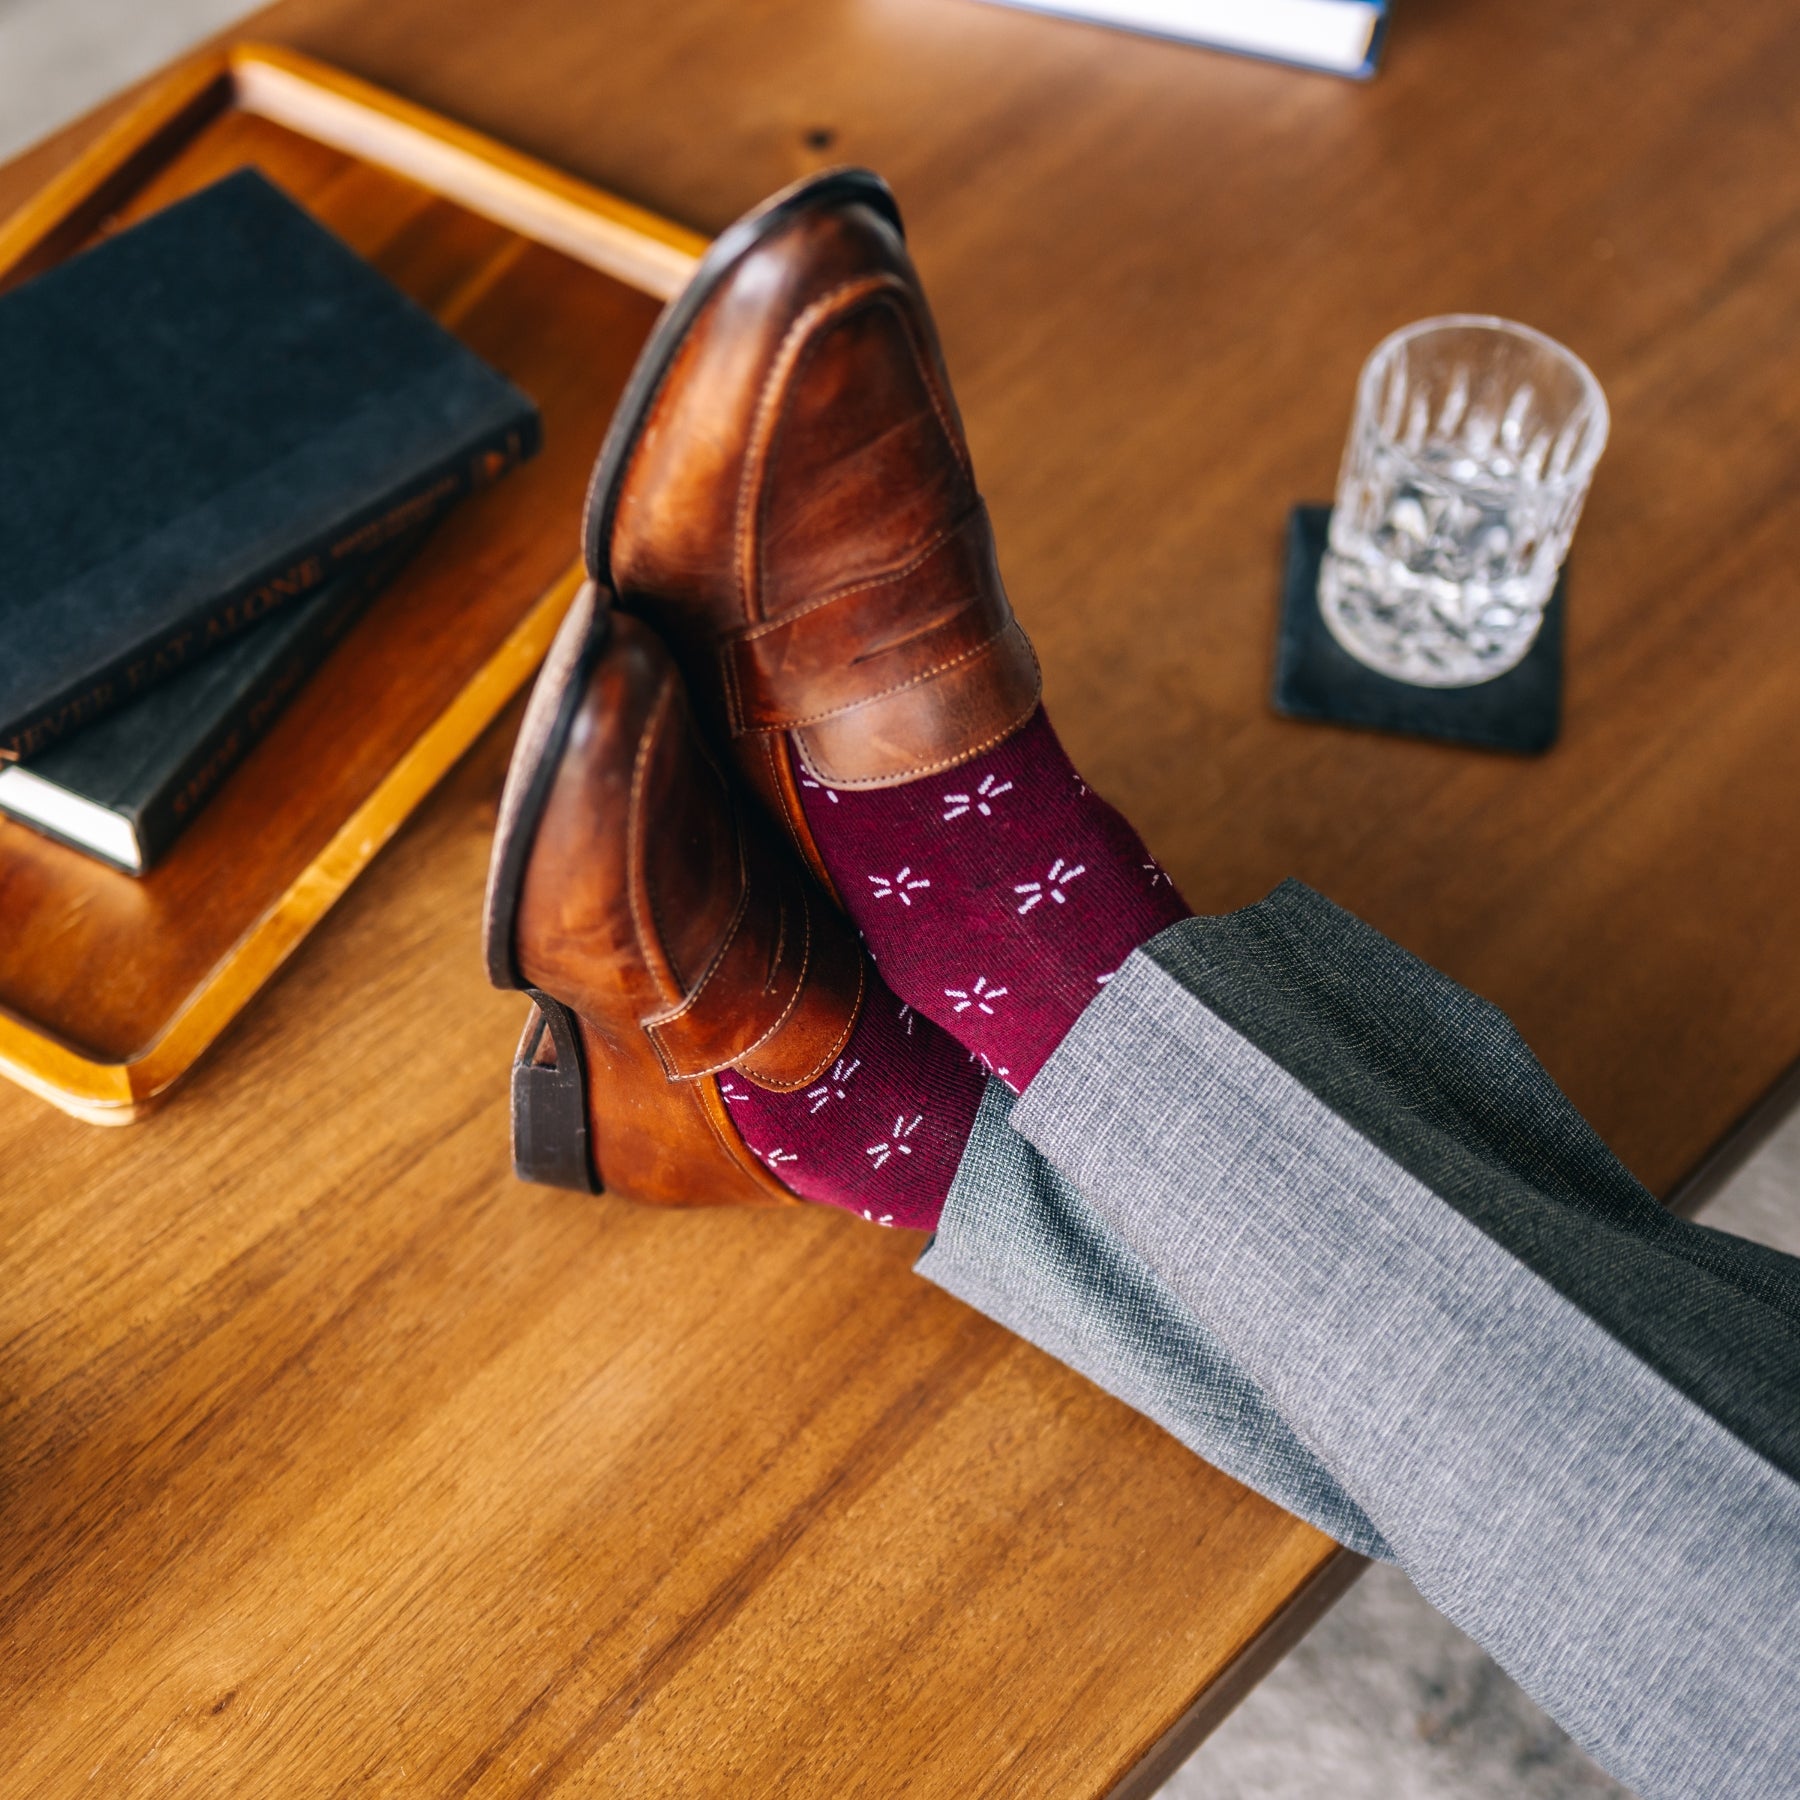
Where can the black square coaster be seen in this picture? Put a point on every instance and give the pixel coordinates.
(1316, 678)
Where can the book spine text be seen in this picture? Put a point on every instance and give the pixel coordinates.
(360, 537)
(167, 813)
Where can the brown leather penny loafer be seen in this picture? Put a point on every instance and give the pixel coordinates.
(662, 937)
(785, 493)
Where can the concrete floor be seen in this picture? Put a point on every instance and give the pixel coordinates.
(58, 57)
(1385, 1700)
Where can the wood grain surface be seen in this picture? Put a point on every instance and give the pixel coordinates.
(336, 1462)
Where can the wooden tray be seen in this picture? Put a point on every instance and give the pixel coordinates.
(110, 987)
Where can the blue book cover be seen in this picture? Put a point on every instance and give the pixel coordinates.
(208, 415)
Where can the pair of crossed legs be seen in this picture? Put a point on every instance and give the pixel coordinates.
(1310, 1205)
(995, 901)
(1318, 1211)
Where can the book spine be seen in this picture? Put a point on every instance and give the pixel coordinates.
(168, 812)
(360, 536)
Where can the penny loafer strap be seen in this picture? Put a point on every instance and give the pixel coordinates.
(781, 995)
(875, 641)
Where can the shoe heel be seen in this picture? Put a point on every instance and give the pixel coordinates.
(549, 1103)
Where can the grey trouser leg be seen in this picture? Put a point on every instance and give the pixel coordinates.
(1022, 1245)
(1572, 1418)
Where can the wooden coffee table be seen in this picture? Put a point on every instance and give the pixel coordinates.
(336, 1461)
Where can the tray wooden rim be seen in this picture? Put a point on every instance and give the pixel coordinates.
(487, 177)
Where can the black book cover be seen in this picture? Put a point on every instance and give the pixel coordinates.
(124, 788)
(207, 415)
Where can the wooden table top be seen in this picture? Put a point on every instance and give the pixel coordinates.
(335, 1461)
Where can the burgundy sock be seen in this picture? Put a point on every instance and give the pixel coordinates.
(881, 1133)
(996, 898)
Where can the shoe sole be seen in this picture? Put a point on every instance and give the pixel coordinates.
(550, 1135)
(550, 1112)
(551, 1140)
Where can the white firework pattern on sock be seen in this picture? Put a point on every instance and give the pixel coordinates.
(894, 1144)
(899, 887)
(1061, 873)
(834, 1084)
(979, 799)
(980, 996)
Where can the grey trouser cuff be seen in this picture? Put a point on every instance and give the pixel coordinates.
(1021, 1244)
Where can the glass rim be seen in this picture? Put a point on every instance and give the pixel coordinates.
(1593, 394)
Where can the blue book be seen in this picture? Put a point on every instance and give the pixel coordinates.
(206, 417)
(125, 788)
(1342, 37)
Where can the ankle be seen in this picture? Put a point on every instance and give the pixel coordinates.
(998, 897)
(882, 1131)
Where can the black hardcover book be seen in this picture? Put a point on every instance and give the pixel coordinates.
(124, 788)
(206, 416)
